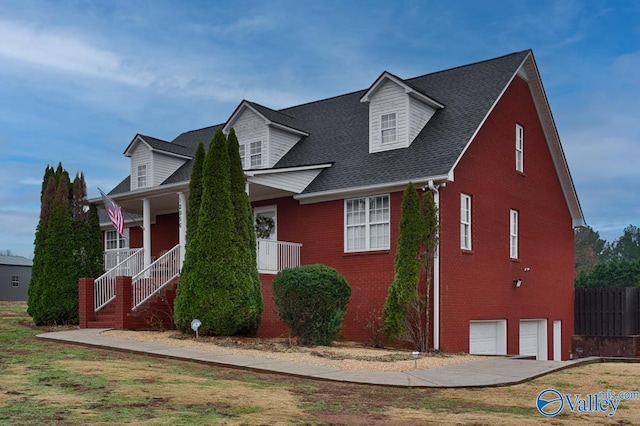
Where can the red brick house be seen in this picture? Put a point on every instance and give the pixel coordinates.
(331, 173)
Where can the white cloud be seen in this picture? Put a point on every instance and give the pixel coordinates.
(66, 52)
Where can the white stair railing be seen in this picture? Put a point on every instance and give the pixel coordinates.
(154, 277)
(105, 285)
(114, 257)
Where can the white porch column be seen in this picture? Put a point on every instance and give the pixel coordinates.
(182, 225)
(146, 231)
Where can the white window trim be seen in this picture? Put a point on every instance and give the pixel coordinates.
(144, 175)
(122, 241)
(465, 222)
(15, 281)
(245, 150)
(394, 128)
(519, 148)
(367, 224)
(513, 234)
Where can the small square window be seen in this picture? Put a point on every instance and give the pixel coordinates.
(15, 281)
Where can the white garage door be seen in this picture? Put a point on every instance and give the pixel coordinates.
(529, 338)
(533, 338)
(487, 337)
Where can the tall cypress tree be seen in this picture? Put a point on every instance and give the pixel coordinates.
(183, 307)
(34, 293)
(59, 294)
(403, 289)
(220, 296)
(67, 246)
(245, 230)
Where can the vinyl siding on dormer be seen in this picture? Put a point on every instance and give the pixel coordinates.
(280, 142)
(389, 98)
(250, 127)
(141, 156)
(164, 166)
(419, 114)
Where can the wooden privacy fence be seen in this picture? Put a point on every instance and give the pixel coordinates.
(607, 311)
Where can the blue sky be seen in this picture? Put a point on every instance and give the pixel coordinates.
(78, 79)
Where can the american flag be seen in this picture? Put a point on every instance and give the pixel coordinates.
(114, 211)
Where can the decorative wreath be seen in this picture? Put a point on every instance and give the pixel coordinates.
(264, 226)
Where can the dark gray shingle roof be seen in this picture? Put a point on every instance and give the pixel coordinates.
(338, 130)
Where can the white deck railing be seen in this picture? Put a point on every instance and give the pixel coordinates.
(154, 277)
(105, 285)
(274, 256)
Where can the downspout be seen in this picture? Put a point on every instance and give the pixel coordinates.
(436, 274)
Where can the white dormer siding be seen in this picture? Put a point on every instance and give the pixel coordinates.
(164, 166)
(141, 160)
(388, 99)
(253, 130)
(419, 115)
(150, 167)
(280, 142)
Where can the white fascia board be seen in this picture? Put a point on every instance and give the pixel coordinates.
(285, 169)
(137, 139)
(338, 194)
(244, 104)
(139, 194)
(407, 89)
(287, 128)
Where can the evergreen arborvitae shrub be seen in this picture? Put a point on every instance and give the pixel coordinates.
(403, 289)
(215, 288)
(312, 301)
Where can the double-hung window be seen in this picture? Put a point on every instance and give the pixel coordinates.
(114, 241)
(251, 155)
(367, 223)
(519, 148)
(388, 127)
(255, 154)
(15, 281)
(142, 175)
(513, 234)
(465, 222)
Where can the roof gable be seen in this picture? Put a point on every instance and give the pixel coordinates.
(158, 145)
(269, 116)
(409, 89)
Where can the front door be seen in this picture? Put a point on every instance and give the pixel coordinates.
(267, 235)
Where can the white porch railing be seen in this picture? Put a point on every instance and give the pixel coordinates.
(105, 285)
(274, 256)
(151, 279)
(114, 257)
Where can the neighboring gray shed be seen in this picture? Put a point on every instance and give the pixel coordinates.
(15, 274)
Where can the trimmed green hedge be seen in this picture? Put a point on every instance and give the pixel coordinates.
(312, 301)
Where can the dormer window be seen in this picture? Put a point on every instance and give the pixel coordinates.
(255, 149)
(142, 175)
(251, 155)
(388, 127)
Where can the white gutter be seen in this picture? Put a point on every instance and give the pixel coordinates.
(436, 274)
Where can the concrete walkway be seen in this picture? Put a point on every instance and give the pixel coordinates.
(493, 372)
